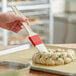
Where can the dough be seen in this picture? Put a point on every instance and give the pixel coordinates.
(54, 57)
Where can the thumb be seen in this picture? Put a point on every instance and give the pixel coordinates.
(19, 18)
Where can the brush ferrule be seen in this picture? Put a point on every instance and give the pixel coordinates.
(35, 40)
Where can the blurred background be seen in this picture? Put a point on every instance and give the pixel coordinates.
(53, 20)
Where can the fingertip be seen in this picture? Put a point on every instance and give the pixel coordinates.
(24, 19)
(22, 26)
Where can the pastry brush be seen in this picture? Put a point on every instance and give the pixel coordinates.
(33, 37)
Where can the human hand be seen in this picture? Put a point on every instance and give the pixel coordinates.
(11, 21)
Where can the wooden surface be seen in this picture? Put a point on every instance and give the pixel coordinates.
(39, 73)
(25, 56)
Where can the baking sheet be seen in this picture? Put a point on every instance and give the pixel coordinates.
(67, 69)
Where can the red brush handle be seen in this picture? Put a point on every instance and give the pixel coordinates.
(35, 40)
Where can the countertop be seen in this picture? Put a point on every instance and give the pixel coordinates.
(25, 56)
